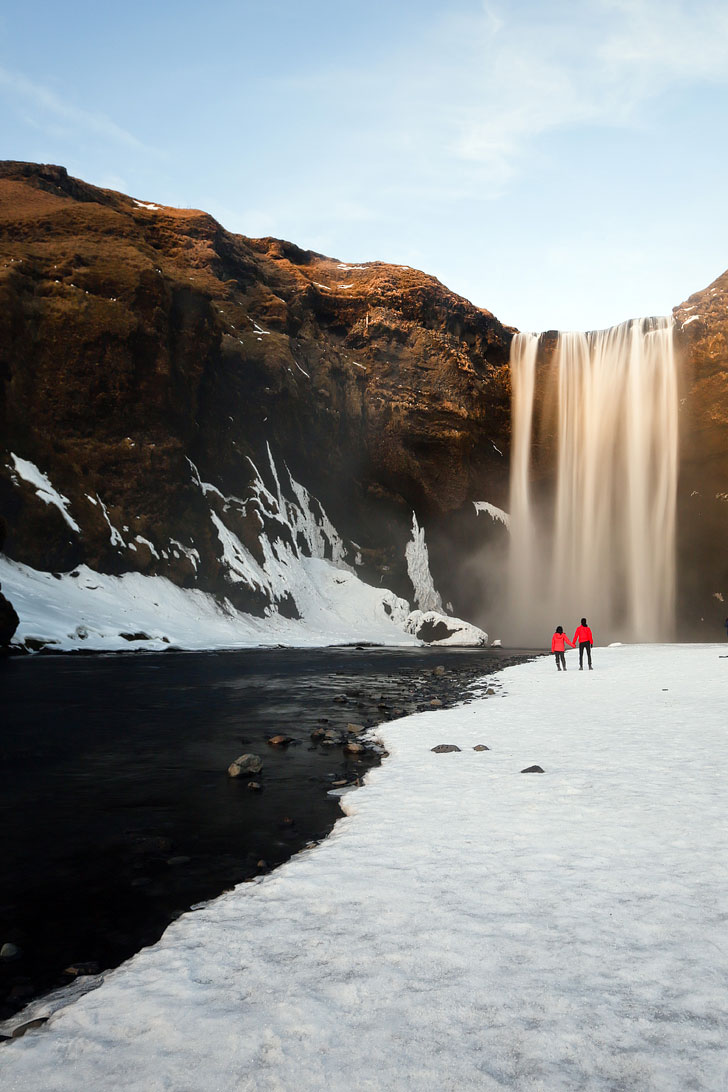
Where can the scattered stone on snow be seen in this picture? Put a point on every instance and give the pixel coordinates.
(480, 747)
(443, 748)
(532, 769)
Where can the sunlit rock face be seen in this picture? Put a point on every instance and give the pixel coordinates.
(145, 350)
(701, 331)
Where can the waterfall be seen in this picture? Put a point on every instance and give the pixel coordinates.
(602, 417)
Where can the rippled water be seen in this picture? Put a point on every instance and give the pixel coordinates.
(114, 796)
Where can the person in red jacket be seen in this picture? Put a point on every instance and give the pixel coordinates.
(558, 642)
(584, 636)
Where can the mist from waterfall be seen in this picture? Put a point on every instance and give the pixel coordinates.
(594, 465)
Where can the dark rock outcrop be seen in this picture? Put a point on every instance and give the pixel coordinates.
(9, 620)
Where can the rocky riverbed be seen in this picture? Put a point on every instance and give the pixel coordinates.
(115, 780)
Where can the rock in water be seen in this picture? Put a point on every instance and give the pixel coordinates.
(245, 766)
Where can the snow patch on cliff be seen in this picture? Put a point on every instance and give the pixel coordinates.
(418, 568)
(30, 473)
(495, 513)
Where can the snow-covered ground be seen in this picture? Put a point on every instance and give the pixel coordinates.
(466, 926)
(90, 610)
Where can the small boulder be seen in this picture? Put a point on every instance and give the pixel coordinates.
(353, 748)
(10, 952)
(77, 969)
(444, 748)
(255, 786)
(532, 769)
(481, 747)
(490, 692)
(354, 729)
(29, 1025)
(280, 741)
(436, 703)
(245, 765)
(439, 670)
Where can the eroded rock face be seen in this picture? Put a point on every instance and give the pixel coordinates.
(136, 341)
(702, 339)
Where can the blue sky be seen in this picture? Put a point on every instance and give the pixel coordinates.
(562, 164)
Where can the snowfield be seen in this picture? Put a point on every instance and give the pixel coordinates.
(466, 926)
(91, 610)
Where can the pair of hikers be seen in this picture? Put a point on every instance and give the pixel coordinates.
(583, 636)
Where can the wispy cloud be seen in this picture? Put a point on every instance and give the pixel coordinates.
(458, 110)
(46, 110)
(598, 63)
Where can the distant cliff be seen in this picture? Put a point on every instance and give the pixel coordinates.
(153, 366)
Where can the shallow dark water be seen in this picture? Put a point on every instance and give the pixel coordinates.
(115, 802)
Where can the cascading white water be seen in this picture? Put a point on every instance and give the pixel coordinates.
(606, 547)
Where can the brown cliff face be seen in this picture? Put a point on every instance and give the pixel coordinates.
(134, 338)
(702, 338)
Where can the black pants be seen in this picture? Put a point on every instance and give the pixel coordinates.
(560, 660)
(584, 646)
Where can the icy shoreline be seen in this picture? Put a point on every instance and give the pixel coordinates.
(465, 925)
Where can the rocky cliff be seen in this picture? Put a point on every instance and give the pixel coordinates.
(168, 389)
(702, 338)
(178, 401)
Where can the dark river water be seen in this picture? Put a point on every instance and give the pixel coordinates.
(115, 803)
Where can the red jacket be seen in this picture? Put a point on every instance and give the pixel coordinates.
(557, 642)
(582, 635)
